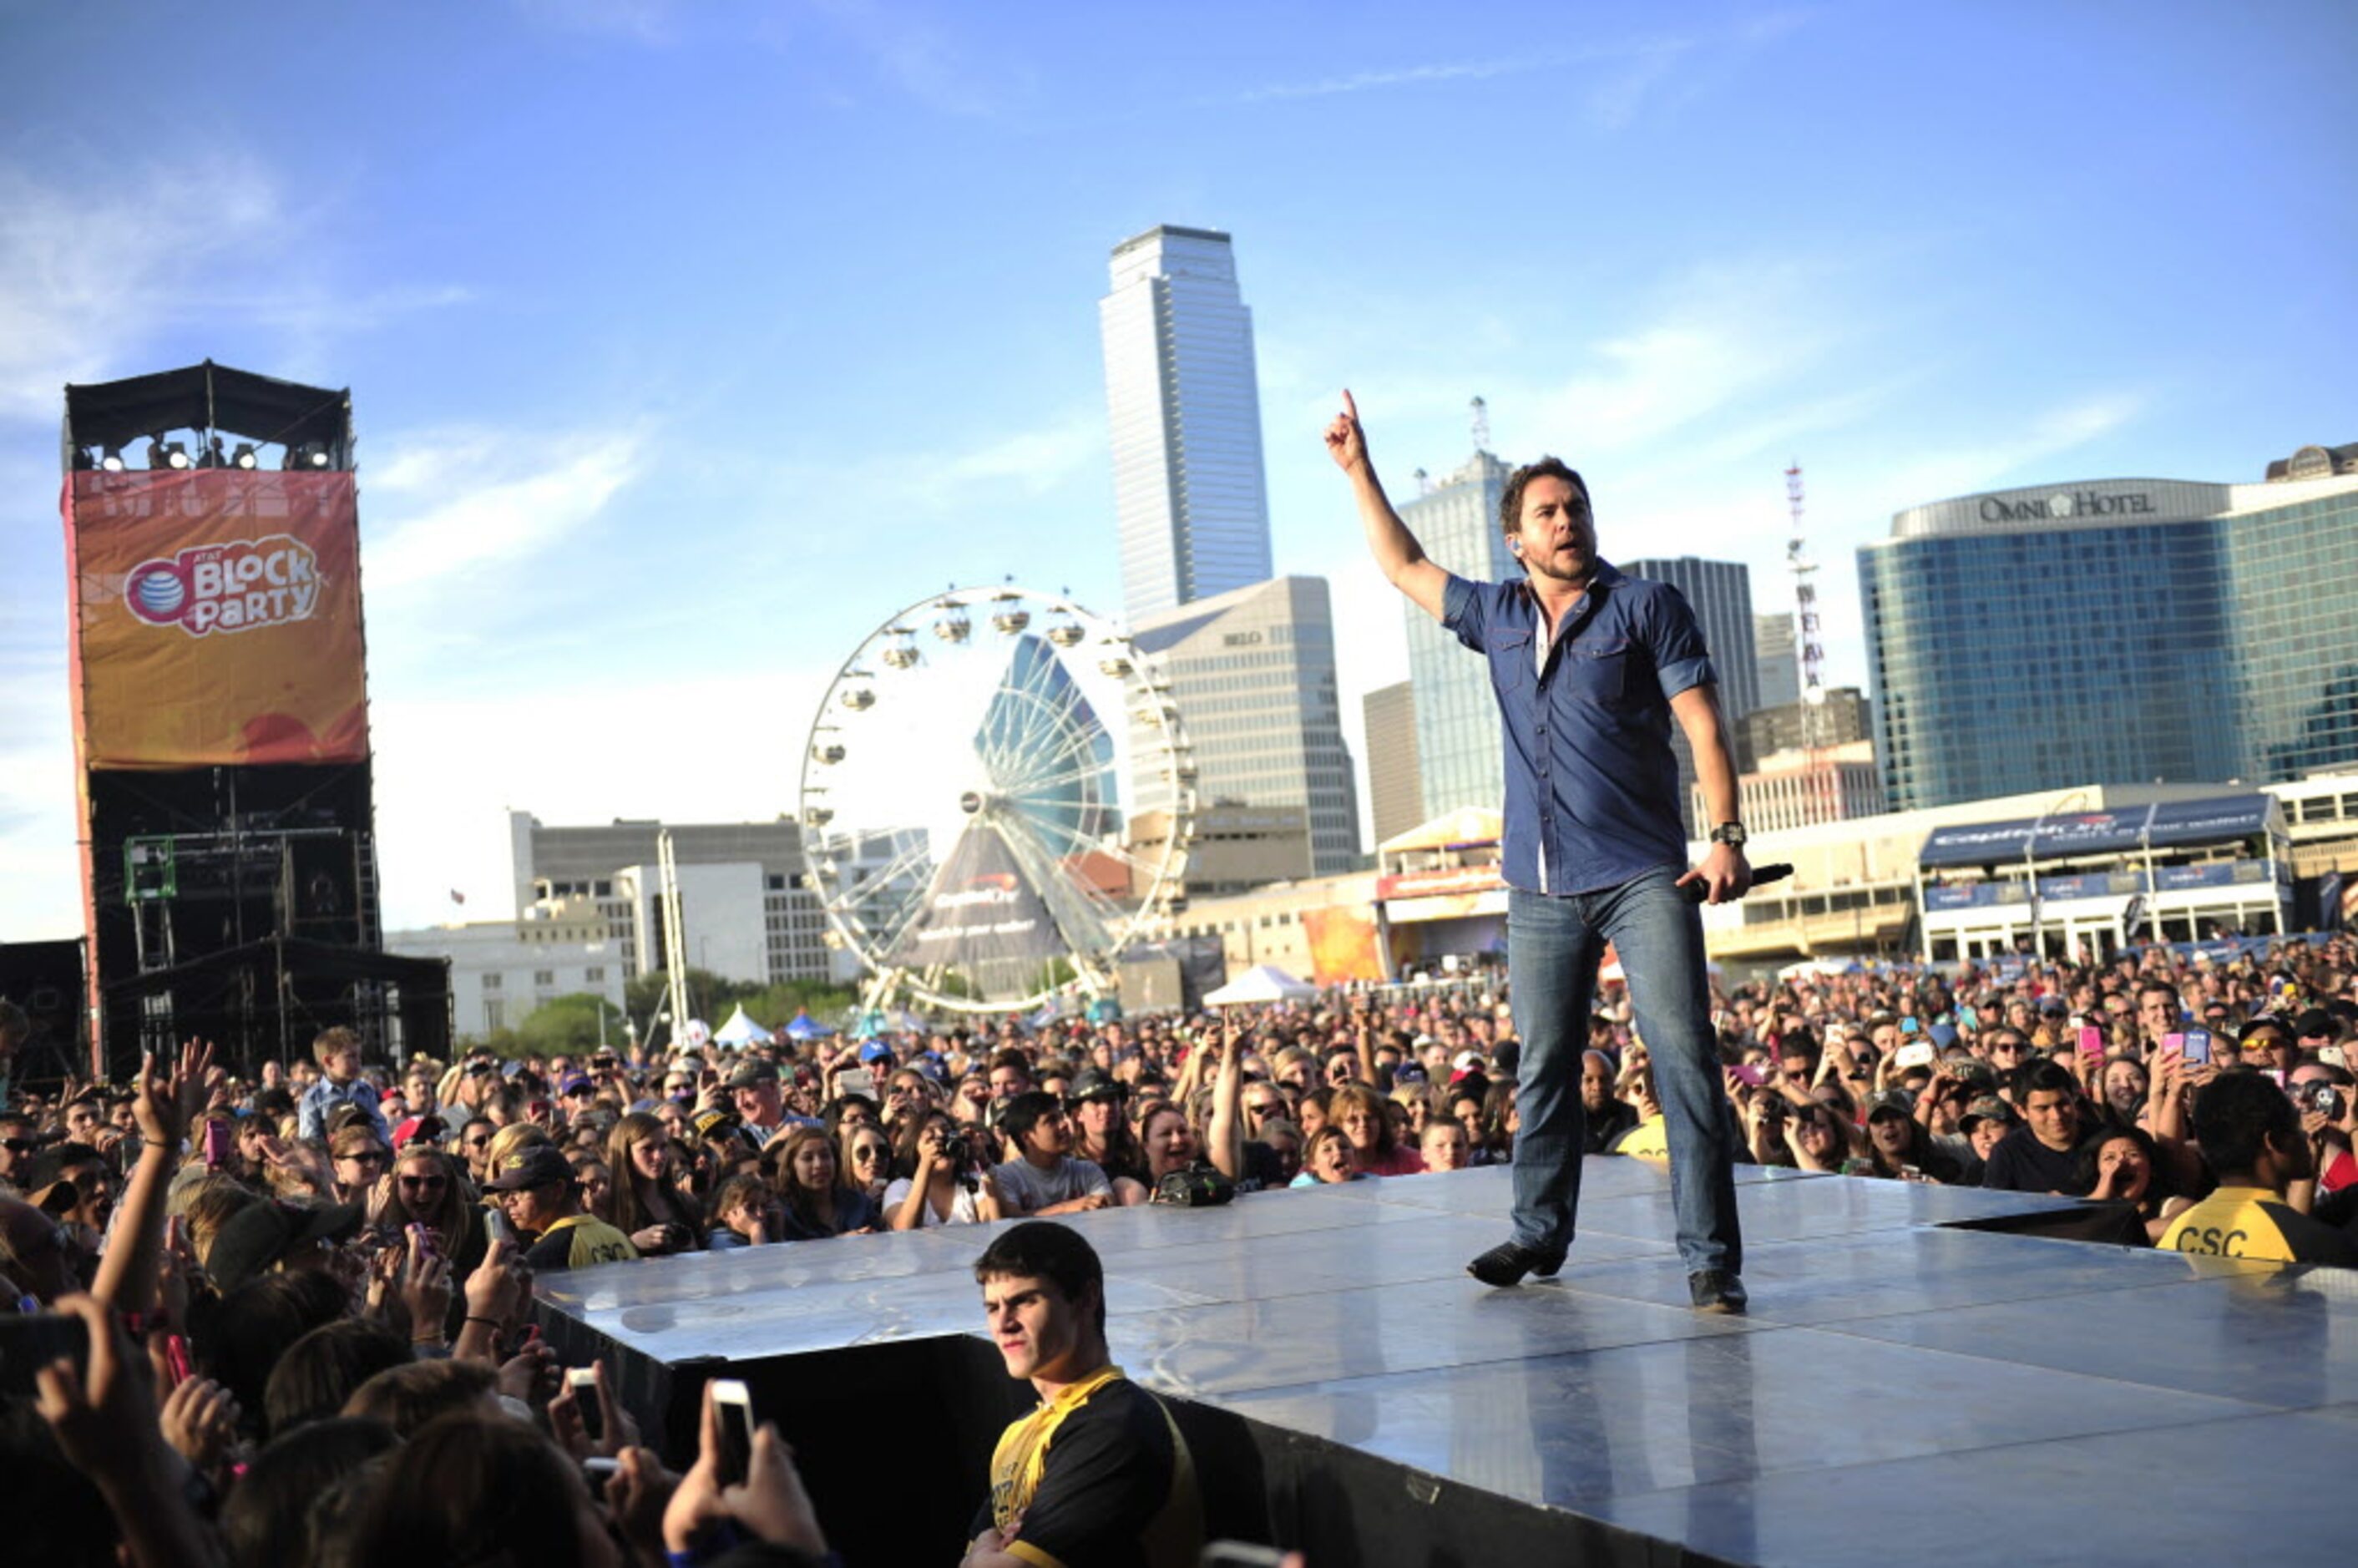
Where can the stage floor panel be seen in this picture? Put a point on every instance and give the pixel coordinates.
(1965, 1394)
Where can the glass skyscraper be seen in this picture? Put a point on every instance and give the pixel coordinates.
(1458, 749)
(2114, 632)
(1185, 406)
(1251, 673)
(1720, 592)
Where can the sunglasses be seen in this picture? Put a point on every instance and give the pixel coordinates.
(423, 1183)
(367, 1157)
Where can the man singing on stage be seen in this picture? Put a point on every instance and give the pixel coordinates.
(1589, 666)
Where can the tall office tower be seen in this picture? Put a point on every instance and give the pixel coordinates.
(1844, 717)
(1395, 793)
(1458, 750)
(1252, 675)
(2170, 630)
(1721, 595)
(1776, 658)
(1184, 407)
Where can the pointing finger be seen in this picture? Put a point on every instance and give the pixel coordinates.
(1350, 407)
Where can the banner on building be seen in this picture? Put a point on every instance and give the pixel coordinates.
(1342, 945)
(980, 907)
(217, 618)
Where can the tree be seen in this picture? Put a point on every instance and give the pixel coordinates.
(569, 1025)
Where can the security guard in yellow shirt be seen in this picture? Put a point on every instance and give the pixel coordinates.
(2251, 1136)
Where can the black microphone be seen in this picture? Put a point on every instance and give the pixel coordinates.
(1761, 875)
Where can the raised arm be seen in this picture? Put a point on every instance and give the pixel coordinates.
(1396, 550)
(1225, 1133)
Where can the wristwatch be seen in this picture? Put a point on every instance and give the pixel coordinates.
(1731, 834)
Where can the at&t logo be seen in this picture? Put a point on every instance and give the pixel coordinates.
(232, 587)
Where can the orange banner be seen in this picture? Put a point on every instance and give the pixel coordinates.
(217, 614)
(1342, 945)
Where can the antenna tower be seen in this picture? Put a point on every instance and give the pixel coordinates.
(1810, 643)
(1481, 426)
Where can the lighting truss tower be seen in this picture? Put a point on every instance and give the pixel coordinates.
(675, 944)
(1810, 650)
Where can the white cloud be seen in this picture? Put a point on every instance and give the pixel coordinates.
(496, 506)
(88, 270)
(2002, 458)
(1037, 459)
(1613, 102)
(700, 747)
(92, 268)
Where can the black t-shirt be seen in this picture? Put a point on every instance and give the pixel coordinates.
(1098, 1478)
(2021, 1163)
(1603, 1126)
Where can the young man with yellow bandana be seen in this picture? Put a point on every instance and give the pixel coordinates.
(1098, 1476)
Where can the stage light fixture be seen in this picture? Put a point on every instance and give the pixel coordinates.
(310, 455)
(112, 461)
(163, 454)
(244, 456)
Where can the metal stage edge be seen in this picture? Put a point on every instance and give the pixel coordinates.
(1920, 1375)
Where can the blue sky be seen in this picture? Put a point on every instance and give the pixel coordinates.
(690, 340)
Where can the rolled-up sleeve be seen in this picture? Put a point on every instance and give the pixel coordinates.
(1466, 609)
(1681, 660)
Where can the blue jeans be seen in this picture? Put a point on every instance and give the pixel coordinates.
(1554, 945)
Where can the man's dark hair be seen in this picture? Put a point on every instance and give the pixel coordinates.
(1042, 1250)
(1020, 1114)
(240, 1338)
(1511, 499)
(2048, 1077)
(2234, 1115)
(269, 1517)
(408, 1397)
(320, 1370)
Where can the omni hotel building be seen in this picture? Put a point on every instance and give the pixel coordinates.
(2117, 630)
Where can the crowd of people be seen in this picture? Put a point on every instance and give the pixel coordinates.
(259, 1316)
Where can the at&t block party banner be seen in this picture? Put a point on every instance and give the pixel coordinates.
(217, 618)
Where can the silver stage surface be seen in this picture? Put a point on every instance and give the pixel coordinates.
(1911, 1381)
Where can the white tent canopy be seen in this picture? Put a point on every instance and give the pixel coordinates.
(1263, 982)
(742, 1030)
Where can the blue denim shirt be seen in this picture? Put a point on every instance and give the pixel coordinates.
(1592, 786)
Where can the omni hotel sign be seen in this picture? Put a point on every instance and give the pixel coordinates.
(2068, 504)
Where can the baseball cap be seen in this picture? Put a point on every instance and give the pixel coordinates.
(1466, 1062)
(752, 1074)
(390, 1092)
(533, 1165)
(2315, 1023)
(712, 1123)
(1988, 1107)
(575, 1083)
(1942, 1036)
(1094, 1083)
(1892, 1102)
(429, 1128)
(262, 1234)
(1408, 1073)
(876, 1051)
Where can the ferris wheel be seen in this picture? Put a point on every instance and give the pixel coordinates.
(997, 800)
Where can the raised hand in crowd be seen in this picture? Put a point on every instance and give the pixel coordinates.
(769, 1504)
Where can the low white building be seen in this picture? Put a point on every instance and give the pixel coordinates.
(503, 971)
